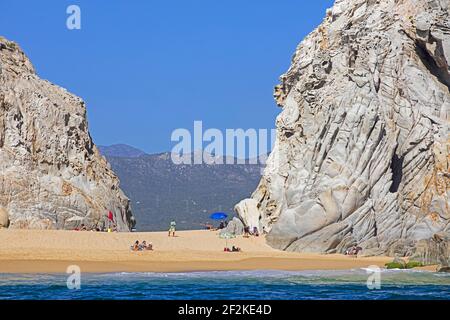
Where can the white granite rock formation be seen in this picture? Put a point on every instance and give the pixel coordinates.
(248, 211)
(51, 174)
(362, 149)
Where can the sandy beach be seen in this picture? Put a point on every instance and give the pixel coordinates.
(48, 251)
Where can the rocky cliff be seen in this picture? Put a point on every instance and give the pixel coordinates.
(51, 173)
(362, 149)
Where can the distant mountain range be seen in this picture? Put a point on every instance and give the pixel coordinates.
(161, 191)
(121, 150)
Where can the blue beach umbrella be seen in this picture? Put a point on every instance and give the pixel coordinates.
(218, 216)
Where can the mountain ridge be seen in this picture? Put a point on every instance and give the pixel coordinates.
(120, 150)
(161, 190)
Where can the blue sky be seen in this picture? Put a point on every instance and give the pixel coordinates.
(145, 68)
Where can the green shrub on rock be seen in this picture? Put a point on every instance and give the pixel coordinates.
(400, 265)
(413, 264)
(394, 265)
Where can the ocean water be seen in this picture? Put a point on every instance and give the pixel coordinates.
(230, 285)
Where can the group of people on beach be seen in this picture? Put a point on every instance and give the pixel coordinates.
(209, 226)
(353, 251)
(109, 226)
(142, 246)
(83, 227)
(247, 233)
(233, 249)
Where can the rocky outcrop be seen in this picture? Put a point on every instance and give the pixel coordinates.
(235, 226)
(434, 251)
(51, 174)
(4, 218)
(362, 149)
(248, 211)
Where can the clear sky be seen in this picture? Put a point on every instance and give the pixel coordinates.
(145, 68)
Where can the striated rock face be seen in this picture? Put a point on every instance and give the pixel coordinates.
(248, 211)
(51, 174)
(4, 218)
(362, 152)
(434, 251)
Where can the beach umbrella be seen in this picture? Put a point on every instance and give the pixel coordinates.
(227, 236)
(218, 216)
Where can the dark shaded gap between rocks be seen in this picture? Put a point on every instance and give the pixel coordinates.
(397, 172)
(441, 75)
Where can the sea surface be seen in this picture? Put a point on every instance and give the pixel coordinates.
(235, 285)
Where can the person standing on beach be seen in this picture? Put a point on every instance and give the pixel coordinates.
(172, 227)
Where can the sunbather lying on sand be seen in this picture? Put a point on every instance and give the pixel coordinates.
(233, 249)
(146, 246)
(208, 226)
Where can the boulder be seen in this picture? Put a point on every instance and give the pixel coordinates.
(4, 218)
(443, 269)
(433, 251)
(235, 226)
(249, 214)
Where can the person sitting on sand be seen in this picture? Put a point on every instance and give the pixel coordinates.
(255, 232)
(246, 232)
(83, 228)
(353, 251)
(172, 228)
(136, 246)
(350, 251)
